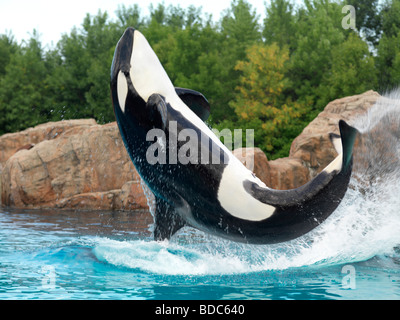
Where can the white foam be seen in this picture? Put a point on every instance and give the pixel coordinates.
(166, 258)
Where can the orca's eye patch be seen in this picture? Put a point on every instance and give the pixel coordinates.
(122, 90)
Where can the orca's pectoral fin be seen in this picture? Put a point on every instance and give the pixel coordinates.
(157, 109)
(195, 101)
(348, 136)
(167, 221)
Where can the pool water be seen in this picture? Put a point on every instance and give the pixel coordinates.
(48, 254)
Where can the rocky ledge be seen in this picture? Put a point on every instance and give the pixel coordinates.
(73, 164)
(80, 164)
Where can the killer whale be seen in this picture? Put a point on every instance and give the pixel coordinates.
(223, 198)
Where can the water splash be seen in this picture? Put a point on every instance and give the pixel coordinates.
(151, 202)
(366, 223)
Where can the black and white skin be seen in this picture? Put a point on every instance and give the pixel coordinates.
(223, 197)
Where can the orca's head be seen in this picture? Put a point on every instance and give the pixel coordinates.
(136, 74)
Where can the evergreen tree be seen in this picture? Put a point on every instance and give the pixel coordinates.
(279, 24)
(368, 22)
(260, 103)
(129, 17)
(318, 31)
(7, 48)
(388, 58)
(22, 88)
(240, 29)
(353, 69)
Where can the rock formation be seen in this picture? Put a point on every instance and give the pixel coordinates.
(80, 164)
(83, 166)
(12, 142)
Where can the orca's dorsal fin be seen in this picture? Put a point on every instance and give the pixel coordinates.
(195, 101)
(166, 221)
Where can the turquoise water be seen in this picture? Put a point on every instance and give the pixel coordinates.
(110, 255)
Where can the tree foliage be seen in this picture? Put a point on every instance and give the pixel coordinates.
(388, 58)
(272, 75)
(368, 19)
(353, 69)
(260, 100)
(280, 24)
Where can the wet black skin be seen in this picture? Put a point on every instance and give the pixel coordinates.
(186, 194)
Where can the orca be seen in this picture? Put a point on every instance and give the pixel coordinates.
(223, 197)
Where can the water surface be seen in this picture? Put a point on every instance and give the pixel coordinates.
(111, 255)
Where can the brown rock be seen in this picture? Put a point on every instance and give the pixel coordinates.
(281, 174)
(129, 197)
(255, 160)
(26, 147)
(132, 196)
(11, 142)
(90, 201)
(288, 173)
(83, 168)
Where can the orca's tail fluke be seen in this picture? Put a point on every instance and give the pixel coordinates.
(298, 211)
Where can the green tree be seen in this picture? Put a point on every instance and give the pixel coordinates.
(388, 57)
(353, 69)
(279, 24)
(388, 62)
(99, 36)
(260, 101)
(80, 81)
(239, 29)
(240, 24)
(7, 48)
(390, 17)
(129, 17)
(70, 77)
(318, 31)
(368, 22)
(273, 78)
(22, 88)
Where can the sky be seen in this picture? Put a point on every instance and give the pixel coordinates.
(52, 18)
